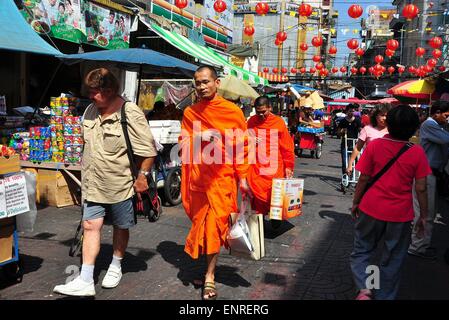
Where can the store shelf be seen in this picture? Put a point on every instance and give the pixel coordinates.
(50, 165)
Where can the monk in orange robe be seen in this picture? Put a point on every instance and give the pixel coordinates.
(275, 156)
(210, 170)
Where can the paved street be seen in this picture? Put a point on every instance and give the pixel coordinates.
(308, 258)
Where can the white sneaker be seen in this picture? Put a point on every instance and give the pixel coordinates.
(112, 277)
(76, 287)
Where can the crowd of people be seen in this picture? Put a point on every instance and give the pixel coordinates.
(395, 200)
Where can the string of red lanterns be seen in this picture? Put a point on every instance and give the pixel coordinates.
(220, 6)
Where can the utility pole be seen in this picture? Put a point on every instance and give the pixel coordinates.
(281, 28)
(289, 57)
(301, 38)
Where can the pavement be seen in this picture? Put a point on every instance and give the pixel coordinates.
(306, 259)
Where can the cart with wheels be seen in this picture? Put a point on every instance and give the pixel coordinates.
(311, 139)
(348, 180)
(10, 262)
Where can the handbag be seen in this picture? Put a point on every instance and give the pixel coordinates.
(370, 183)
(253, 224)
(148, 204)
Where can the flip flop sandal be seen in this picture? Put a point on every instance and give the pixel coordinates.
(209, 288)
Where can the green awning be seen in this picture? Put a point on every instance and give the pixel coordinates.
(207, 56)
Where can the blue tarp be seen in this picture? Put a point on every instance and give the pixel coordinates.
(302, 89)
(310, 130)
(17, 35)
(132, 59)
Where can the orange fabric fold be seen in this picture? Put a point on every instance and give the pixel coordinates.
(274, 153)
(209, 190)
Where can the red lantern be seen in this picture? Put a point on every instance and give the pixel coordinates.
(391, 69)
(410, 12)
(275, 70)
(378, 74)
(389, 53)
(371, 70)
(249, 30)
(305, 10)
(378, 67)
(401, 70)
(262, 8)
(317, 41)
(411, 69)
(282, 36)
(284, 70)
(432, 62)
(316, 58)
(436, 42)
(334, 70)
(384, 69)
(379, 59)
(392, 44)
(220, 6)
(362, 70)
(428, 68)
(312, 70)
(354, 70)
(319, 66)
(277, 42)
(343, 69)
(420, 51)
(359, 52)
(266, 69)
(442, 68)
(353, 44)
(333, 50)
(324, 73)
(303, 70)
(304, 47)
(437, 53)
(293, 70)
(355, 11)
(181, 4)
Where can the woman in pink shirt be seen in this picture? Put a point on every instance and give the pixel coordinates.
(377, 129)
(383, 214)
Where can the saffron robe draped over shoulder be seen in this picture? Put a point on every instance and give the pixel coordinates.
(275, 152)
(210, 171)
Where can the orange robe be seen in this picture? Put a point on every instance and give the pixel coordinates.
(271, 160)
(209, 190)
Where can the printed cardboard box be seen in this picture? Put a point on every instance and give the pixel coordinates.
(10, 164)
(6, 239)
(286, 198)
(56, 189)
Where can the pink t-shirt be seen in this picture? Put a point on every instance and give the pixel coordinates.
(369, 133)
(390, 198)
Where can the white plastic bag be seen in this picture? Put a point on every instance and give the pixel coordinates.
(239, 238)
(25, 221)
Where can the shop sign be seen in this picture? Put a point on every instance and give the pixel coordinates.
(13, 196)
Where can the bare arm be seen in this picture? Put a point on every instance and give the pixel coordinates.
(144, 164)
(361, 185)
(421, 194)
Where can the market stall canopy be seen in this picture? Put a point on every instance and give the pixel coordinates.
(414, 91)
(206, 55)
(313, 101)
(133, 59)
(302, 89)
(233, 88)
(18, 35)
(363, 101)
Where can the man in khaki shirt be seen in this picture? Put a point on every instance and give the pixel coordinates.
(107, 183)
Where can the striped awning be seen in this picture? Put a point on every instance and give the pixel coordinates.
(273, 77)
(207, 56)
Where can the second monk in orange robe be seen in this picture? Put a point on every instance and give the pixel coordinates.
(275, 157)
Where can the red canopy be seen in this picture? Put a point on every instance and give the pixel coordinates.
(360, 101)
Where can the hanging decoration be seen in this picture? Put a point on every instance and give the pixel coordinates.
(324, 72)
(354, 70)
(392, 44)
(410, 12)
(343, 69)
(275, 70)
(389, 53)
(305, 10)
(420, 51)
(304, 47)
(220, 6)
(401, 70)
(391, 70)
(282, 36)
(436, 42)
(262, 8)
(317, 41)
(437, 53)
(334, 70)
(303, 70)
(371, 70)
(293, 70)
(319, 66)
(412, 69)
(362, 70)
(379, 59)
(312, 70)
(355, 11)
(359, 52)
(316, 58)
(353, 44)
(181, 4)
(284, 70)
(333, 50)
(266, 70)
(249, 30)
(442, 68)
(277, 42)
(432, 62)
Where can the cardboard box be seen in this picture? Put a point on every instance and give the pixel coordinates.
(286, 198)
(56, 189)
(10, 164)
(6, 239)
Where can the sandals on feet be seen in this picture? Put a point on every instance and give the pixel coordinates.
(209, 291)
(364, 295)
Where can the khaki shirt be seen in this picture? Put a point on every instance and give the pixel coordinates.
(106, 173)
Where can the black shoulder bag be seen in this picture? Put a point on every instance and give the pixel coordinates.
(387, 166)
(149, 205)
